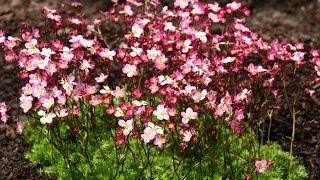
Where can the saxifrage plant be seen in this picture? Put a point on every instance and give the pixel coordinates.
(181, 95)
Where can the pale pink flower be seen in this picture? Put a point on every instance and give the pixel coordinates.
(47, 52)
(75, 21)
(119, 112)
(127, 10)
(228, 60)
(42, 63)
(160, 62)
(101, 78)
(106, 53)
(187, 135)
(66, 55)
(47, 102)
(127, 126)
(161, 112)
(186, 46)
(62, 112)
(85, 65)
(106, 90)
(20, 127)
(233, 6)
(118, 92)
(148, 135)
(188, 115)
(214, 7)
(181, 3)
(26, 103)
(3, 108)
(155, 128)
(32, 47)
(130, 70)
(95, 100)
(4, 118)
(136, 30)
(153, 53)
(214, 17)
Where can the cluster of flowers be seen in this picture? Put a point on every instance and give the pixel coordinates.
(180, 72)
(3, 112)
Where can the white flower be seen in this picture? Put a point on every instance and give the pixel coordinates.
(136, 30)
(135, 52)
(126, 125)
(155, 128)
(46, 118)
(201, 35)
(161, 112)
(186, 46)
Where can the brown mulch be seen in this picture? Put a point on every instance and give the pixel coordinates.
(288, 20)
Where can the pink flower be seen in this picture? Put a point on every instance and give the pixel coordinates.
(188, 115)
(20, 127)
(95, 100)
(118, 92)
(101, 78)
(130, 70)
(127, 126)
(10, 56)
(159, 141)
(262, 166)
(26, 103)
(187, 134)
(3, 108)
(62, 112)
(107, 54)
(148, 135)
(10, 44)
(153, 53)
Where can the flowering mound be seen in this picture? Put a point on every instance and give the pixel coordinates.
(182, 95)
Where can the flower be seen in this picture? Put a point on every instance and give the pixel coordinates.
(127, 126)
(186, 46)
(137, 30)
(130, 70)
(155, 128)
(187, 134)
(161, 112)
(262, 166)
(148, 135)
(188, 115)
(20, 127)
(159, 141)
(201, 35)
(46, 118)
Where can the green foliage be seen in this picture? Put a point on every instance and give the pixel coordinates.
(66, 155)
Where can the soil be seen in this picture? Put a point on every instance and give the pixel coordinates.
(288, 20)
